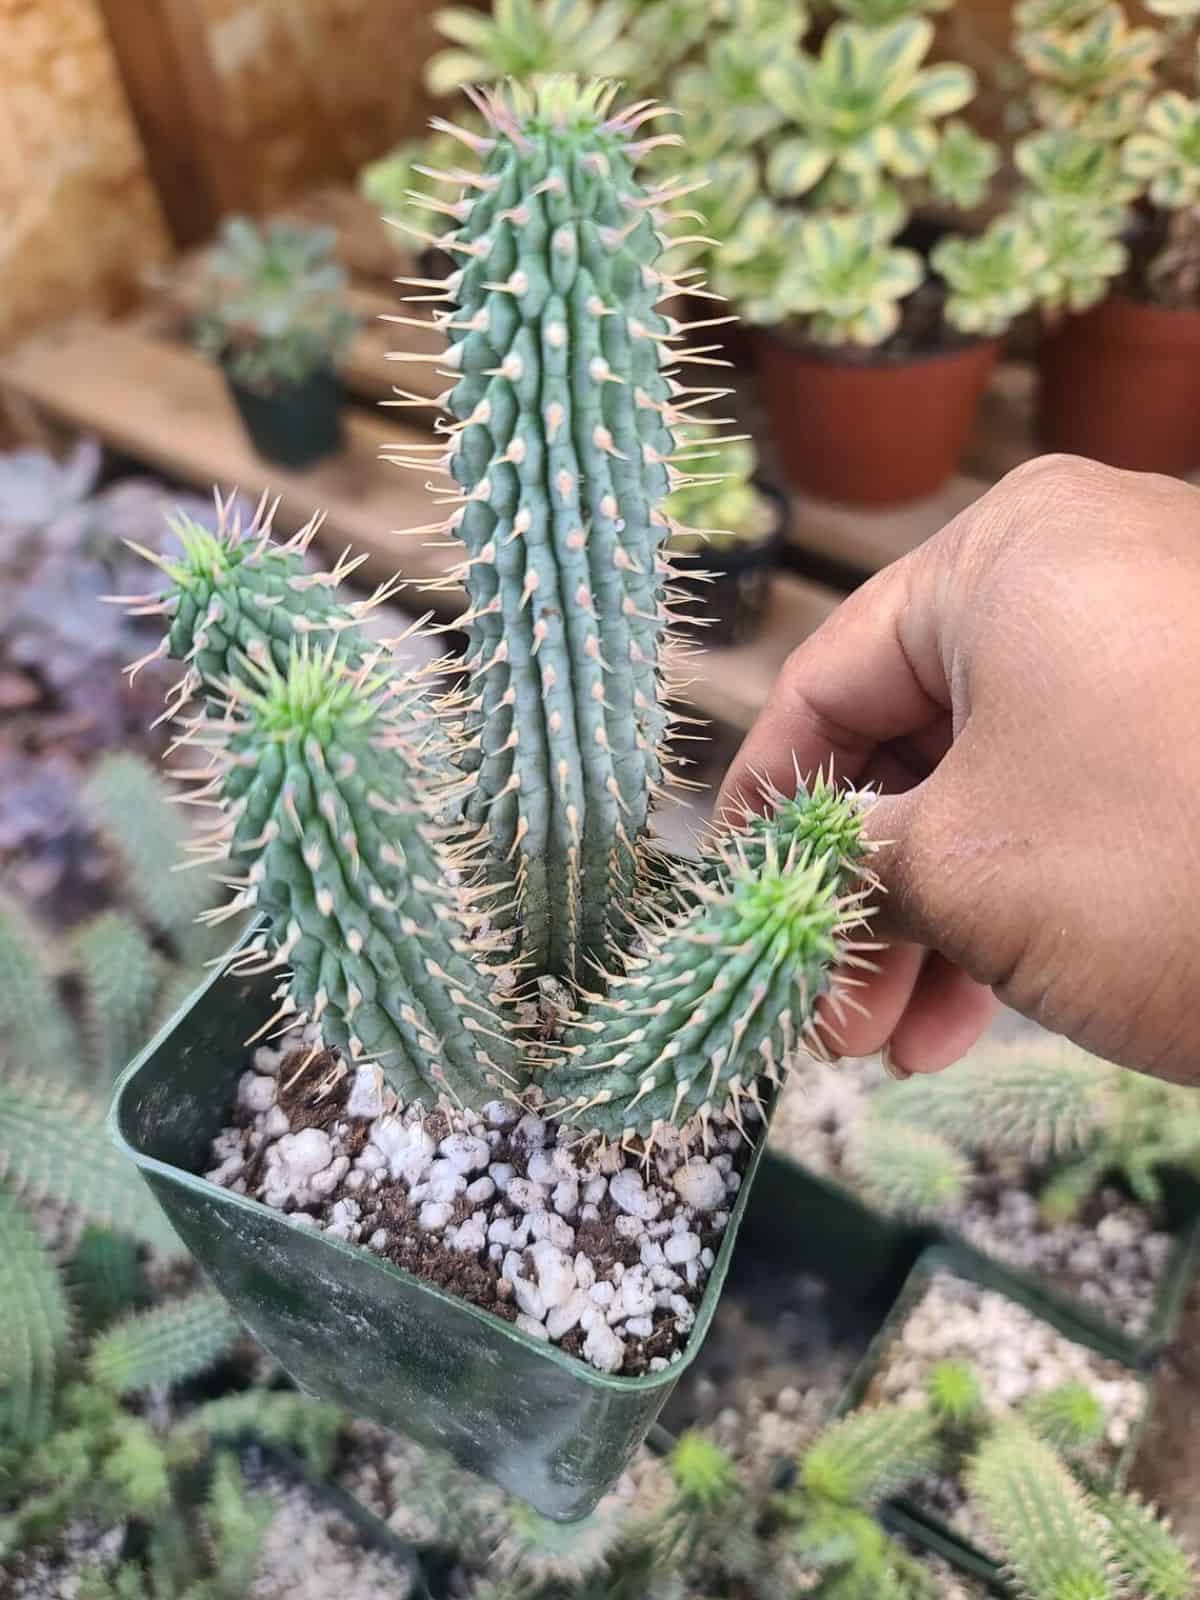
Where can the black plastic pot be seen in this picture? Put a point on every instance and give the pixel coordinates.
(726, 606)
(908, 1516)
(296, 425)
(355, 1329)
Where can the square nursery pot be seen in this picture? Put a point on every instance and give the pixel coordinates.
(1181, 1206)
(861, 1252)
(907, 1517)
(295, 425)
(357, 1330)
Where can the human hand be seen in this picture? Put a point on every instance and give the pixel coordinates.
(1024, 689)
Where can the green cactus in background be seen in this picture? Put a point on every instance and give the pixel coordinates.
(120, 974)
(404, 903)
(37, 1326)
(280, 1417)
(33, 1024)
(955, 1393)
(1052, 1539)
(166, 1345)
(53, 1145)
(871, 1455)
(908, 1171)
(1153, 1565)
(1069, 1417)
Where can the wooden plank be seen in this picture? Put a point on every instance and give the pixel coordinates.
(368, 369)
(177, 101)
(866, 540)
(166, 406)
(162, 404)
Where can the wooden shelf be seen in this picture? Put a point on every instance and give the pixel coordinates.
(157, 401)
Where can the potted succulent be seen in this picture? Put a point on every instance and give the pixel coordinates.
(826, 165)
(1100, 88)
(274, 318)
(525, 1107)
(728, 527)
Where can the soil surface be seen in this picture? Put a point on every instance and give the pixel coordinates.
(602, 1250)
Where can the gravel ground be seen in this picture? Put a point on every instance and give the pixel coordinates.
(599, 1250)
(1015, 1356)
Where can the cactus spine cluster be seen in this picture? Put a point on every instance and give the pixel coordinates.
(427, 858)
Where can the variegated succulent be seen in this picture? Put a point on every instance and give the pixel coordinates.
(524, 39)
(867, 105)
(1077, 172)
(881, 13)
(963, 165)
(1093, 76)
(1081, 251)
(846, 280)
(990, 279)
(1165, 153)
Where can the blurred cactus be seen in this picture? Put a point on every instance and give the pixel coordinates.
(164, 1346)
(1069, 1417)
(908, 1171)
(871, 1454)
(1149, 1559)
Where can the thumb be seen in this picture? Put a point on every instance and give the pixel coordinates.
(939, 883)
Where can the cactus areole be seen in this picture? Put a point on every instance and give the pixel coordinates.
(430, 862)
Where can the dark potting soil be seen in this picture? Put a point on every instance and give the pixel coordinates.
(657, 1236)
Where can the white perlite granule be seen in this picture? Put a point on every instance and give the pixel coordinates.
(606, 1249)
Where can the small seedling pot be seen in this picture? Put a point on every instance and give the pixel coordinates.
(1121, 384)
(864, 432)
(906, 1516)
(729, 603)
(357, 1330)
(296, 425)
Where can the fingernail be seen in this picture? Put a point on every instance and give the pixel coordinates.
(893, 1068)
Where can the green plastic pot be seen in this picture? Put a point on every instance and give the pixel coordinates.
(908, 1516)
(829, 1232)
(357, 1330)
(1182, 1219)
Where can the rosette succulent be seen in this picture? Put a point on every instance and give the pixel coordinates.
(865, 106)
(1093, 76)
(1076, 172)
(524, 39)
(1165, 153)
(273, 311)
(1081, 255)
(963, 165)
(847, 280)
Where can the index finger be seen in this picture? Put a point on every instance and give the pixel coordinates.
(872, 673)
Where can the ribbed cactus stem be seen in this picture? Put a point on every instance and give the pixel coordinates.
(1054, 1543)
(561, 451)
(724, 995)
(234, 596)
(871, 1454)
(330, 821)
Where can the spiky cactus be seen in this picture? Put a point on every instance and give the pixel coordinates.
(163, 1346)
(420, 862)
(871, 1454)
(1053, 1541)
(1146, 1554)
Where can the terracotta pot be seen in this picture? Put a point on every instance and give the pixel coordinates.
(1121, 384)
(870, 433)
